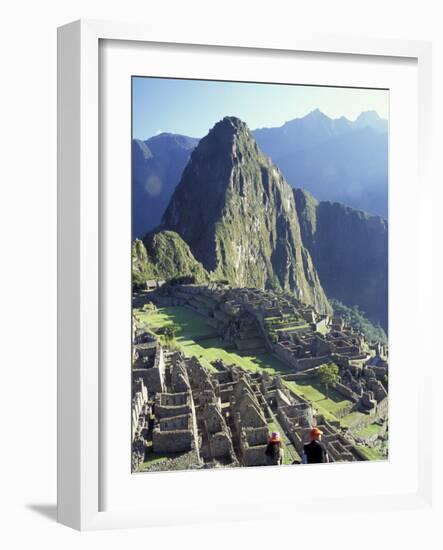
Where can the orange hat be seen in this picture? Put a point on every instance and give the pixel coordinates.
(315, 432)
(275, 437)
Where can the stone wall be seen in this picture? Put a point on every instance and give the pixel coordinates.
(225, 392)
(286, 355)
(377, 388)
(172, 441)
(255, 436)
(338, 453)
(152, 378)
(174, 434)
(221, 445)
(172, 404)
(311, 362)
(383, 408)
(254, 456)
(299, 364)
(150, 366)
(346, 392)
(139, 400)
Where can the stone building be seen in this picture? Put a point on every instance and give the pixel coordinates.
(175, 434)
(249, 423)
(139, 409)
(149, 364)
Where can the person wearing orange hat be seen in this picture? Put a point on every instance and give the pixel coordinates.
(315, 452)
(274, 449)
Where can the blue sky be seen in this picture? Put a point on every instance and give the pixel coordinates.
(192, 107)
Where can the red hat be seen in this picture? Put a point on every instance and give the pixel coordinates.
(315, 432)
(275, 437)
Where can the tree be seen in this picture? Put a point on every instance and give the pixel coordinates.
(328, 376)
(169, 333)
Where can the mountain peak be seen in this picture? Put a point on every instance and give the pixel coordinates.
(228, 126)
(224, 141)
(316, 114)
(168, 139)
(369, 115)
(372, 120)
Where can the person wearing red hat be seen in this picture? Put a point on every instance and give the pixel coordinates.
(274, 449)
(315, 452)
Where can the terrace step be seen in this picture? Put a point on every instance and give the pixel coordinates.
(209, 336)
(251, 343)
(251, 351)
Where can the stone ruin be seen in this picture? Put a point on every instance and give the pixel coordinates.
(255, 320)
(140, 414)
(221, 418)
(175, 434)
(149, 364)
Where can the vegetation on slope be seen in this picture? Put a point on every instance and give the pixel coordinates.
(349, 249)
(164, 256)
(172, 257)
(142, 269)
(355, 318)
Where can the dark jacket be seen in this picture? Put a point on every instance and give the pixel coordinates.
(274, 452)
(315, 452)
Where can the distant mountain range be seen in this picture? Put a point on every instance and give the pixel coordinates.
(335, 159)
(234, 216)
(157, 165)
(302, 134)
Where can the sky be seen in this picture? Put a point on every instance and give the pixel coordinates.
(192, 107)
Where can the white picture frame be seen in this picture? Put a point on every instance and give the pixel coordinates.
(80, 294)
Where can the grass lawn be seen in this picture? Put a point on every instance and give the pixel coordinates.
(353, 419)
(313, 392)
(191, 325)
(209, 350)
(188, 323)
(369, 431)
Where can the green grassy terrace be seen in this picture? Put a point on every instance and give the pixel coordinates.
(191, 326)
(330, 407)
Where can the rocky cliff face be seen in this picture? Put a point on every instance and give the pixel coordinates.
(237, 214)
(350, 252)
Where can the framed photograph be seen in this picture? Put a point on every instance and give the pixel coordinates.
(240, 276)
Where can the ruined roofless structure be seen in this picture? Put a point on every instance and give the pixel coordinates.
(220, 418)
